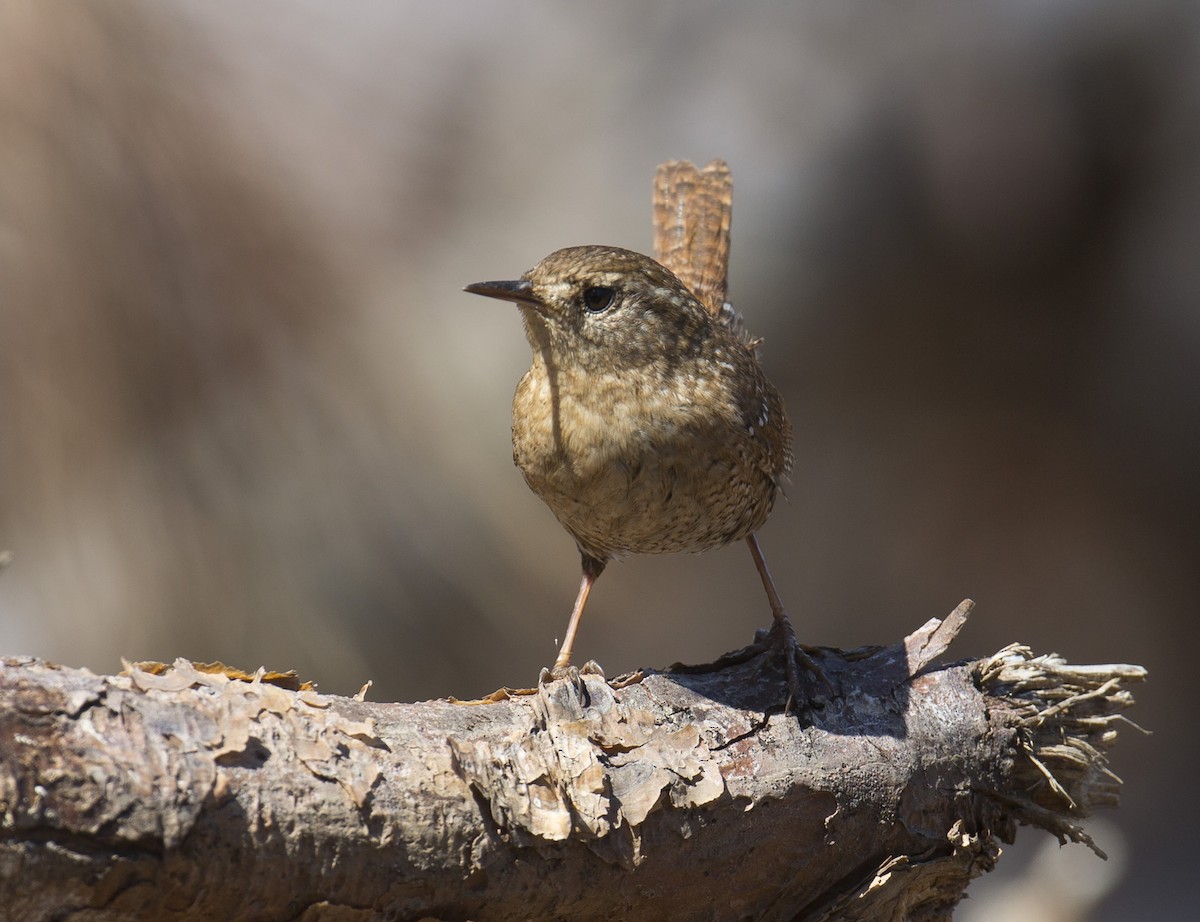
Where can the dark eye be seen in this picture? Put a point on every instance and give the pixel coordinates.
(598, 298)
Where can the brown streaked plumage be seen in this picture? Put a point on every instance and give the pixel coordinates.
(693, 211)
(647, 427)
(645, 421)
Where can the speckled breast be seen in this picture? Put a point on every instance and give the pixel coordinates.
(625, 476)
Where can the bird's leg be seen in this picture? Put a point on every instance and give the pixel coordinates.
(782, 630)
(592, 568)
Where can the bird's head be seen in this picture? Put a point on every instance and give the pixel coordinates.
(601, 306)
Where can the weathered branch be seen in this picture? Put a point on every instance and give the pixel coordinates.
(681, 794)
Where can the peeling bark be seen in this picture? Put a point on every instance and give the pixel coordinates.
(682, 794)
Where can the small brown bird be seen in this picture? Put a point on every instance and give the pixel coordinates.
(645, 422)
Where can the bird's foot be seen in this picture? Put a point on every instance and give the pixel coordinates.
(569, 672)
(796, 656)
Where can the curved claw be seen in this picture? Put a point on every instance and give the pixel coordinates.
(796, 653)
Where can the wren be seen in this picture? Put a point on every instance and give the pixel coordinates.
(645, 421)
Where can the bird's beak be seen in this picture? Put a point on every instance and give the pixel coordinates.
(520, 291)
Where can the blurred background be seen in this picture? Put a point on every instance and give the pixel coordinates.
(247, 414)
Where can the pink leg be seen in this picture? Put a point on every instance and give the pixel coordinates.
(592, 568)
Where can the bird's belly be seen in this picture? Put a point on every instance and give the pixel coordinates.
(623, 486)
(656, 510)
